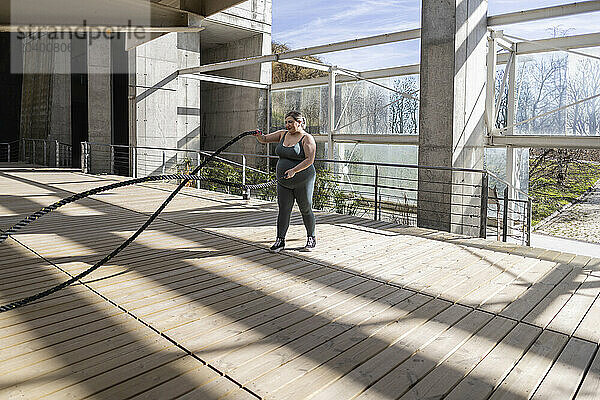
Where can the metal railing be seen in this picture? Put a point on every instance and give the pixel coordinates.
(381, 191)
(51, 153)
(9, 152)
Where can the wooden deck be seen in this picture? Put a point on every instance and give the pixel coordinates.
(197, 308)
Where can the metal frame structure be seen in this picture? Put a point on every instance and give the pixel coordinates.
(497, 40)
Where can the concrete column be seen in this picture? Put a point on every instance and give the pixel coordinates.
(451, 115)
(60, 108)
(99, 104)
(229, 110)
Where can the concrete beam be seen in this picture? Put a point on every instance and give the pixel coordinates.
(307, 64)
(545, 45)
(545, 141)
(412, 140)
(544, 13)
(207, 7)
(328, 48)
(373, 74)
(225, 80)
(118, 15)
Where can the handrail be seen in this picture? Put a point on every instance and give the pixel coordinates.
(202, 152)
(370, 192)
(44, 140)
(379, 164)
(508, 184)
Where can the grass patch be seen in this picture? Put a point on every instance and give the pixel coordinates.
(559, 184)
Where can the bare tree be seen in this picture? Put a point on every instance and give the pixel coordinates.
(584, 81)
(404, 112)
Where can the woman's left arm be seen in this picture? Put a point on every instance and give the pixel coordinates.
(310, 150)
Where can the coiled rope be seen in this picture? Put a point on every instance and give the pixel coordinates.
(186, 178)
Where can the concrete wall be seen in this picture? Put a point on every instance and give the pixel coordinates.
(99, 104)
(184, 113)
(167, 107)
(46, 99)
(229, 110)
(165, 110)
(451, 118)
(252, 14)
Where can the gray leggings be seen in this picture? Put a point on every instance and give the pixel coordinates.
(303, 194)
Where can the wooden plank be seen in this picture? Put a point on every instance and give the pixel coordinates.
(150, 378)
(220, 388)
(188, 331)
(327, 313)
(57, 373)
(74, 388)
(47, 321)
(563, 379)
(365, 375)
(258, 326)
(318, 365)
(545, 311)
(481, 381)
(535, 293)
(410, 371)
(35, 351)
(293, 345)
(119, 336)
(569, 317)
(522, 283)
(588, 327)
(452, 370)
(74, 323)
(526, 376)
(195, 312)
(290, 301)
(180, 385)
(514, 269)
(590, 389)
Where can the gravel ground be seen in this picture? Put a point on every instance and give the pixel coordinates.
(579, 221)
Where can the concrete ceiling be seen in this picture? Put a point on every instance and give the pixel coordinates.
(162, 14)
(216, 33)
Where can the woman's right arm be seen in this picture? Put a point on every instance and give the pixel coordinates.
(270, 138)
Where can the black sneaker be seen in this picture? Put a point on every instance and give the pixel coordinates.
(278, 245)
(311, 243)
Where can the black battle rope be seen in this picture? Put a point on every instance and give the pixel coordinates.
(38, 214)
(78, 196)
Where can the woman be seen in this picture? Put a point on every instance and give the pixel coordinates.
(296, 176)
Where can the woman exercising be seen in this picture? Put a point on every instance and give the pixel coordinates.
(296, 176)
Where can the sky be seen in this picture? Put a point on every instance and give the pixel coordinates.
(309, 23)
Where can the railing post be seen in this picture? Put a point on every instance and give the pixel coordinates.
(57, 153)
(83, 158)
(135, 164)
(198, 163)
(505, 216)
(33, 151)
(45, 153)
(376, 192)
(112, 159)
(88, 157)
(164, 163)
(528, 227)
(8, 156)
(246, 194)
(484, 206)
